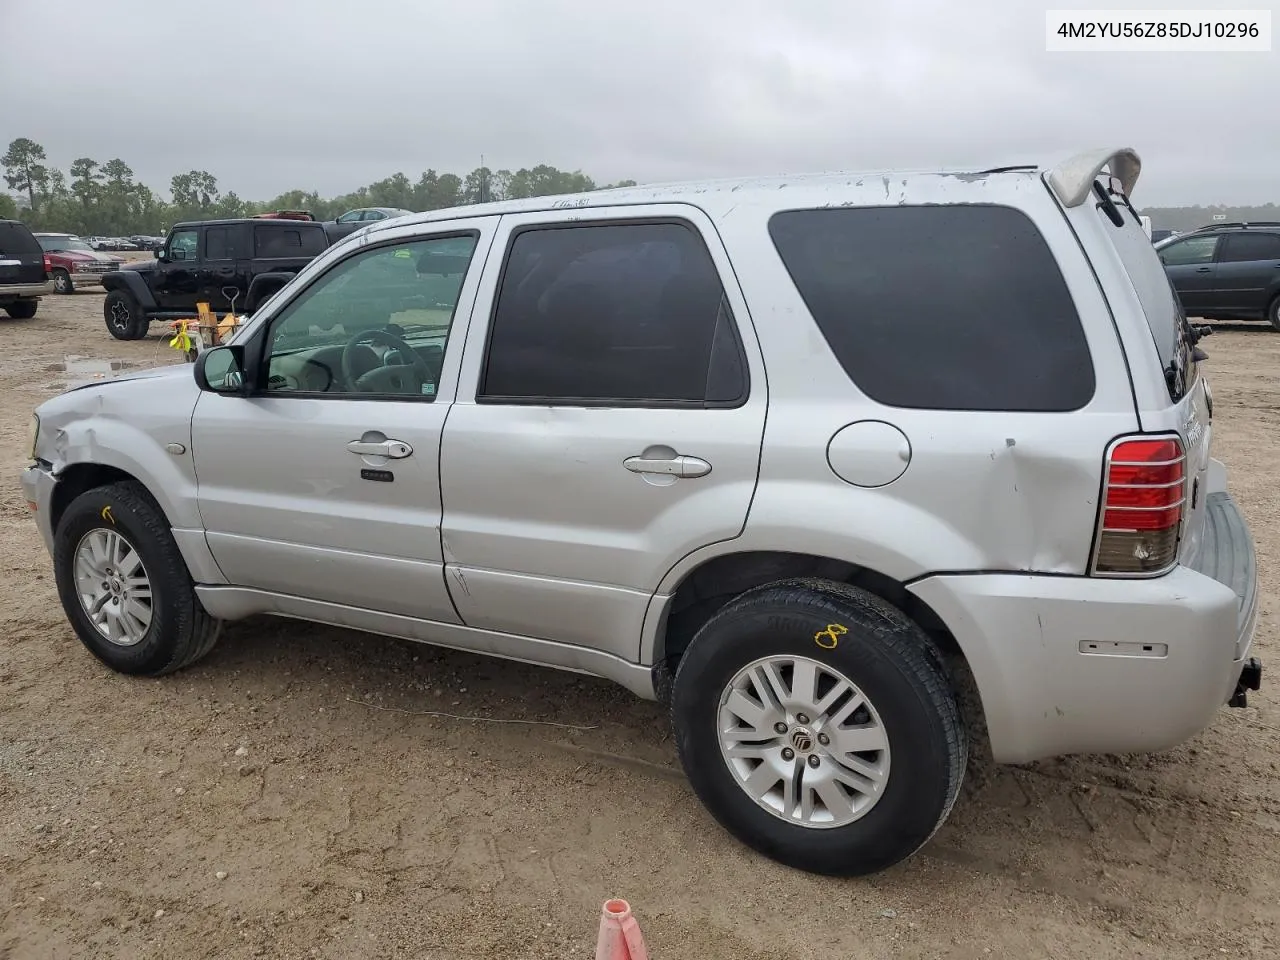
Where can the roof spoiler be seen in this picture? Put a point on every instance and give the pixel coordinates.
(1072, 179)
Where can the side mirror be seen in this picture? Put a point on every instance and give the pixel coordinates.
(158, 253)
(221, 370)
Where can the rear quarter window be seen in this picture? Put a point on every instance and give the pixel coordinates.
(279, 242)
(943, 307)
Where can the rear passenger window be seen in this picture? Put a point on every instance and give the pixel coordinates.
(949, 307)
(1243, 247)
(612, 314)
(219, 243)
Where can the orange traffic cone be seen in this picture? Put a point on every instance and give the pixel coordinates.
(620, 937)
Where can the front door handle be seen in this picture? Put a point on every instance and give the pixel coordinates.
(679, 466)
(394, 449)
(1203, 269)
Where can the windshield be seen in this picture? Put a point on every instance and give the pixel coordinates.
(55, 244)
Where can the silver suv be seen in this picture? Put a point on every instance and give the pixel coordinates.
(781, 453)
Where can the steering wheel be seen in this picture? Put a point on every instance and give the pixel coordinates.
(389, 378)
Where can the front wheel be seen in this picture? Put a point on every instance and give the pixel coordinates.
(124, 586)
(818, 725)
(62, 282)
(125, 319)
(1273, 312)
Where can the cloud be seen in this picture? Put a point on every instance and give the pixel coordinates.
(333, 94)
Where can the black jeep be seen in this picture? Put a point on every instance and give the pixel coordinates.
(228, 264)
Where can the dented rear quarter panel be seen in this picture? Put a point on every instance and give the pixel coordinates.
(983, 491)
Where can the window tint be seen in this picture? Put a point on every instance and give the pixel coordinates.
(946, 307)
(390, 297)
(1250, 246)
(280, 242)
(612, 313)
(1191, 250)
(220, 243)
(16, 238)
(184, 241)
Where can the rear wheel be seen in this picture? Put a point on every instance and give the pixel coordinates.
(62, 282)
(124, 585)
(22, 309)
(818, 724)
(1273, 312)
(125, 319)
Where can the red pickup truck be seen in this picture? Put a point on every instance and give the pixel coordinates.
(73, 263)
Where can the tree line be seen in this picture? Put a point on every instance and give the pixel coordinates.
(105, 199)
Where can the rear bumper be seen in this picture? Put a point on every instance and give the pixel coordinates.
(1090, 665)
(25, 291)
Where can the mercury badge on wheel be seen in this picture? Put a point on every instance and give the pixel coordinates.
(788, 460)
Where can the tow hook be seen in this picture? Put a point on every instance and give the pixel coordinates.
(1250, 679)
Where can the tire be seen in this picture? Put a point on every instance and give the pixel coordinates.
(1273, 312)
(62, 282)
(125, 319)
(22, 309)
(179, 631)
(909, 707)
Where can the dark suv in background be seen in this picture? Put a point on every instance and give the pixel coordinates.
(1226, 271)
(218, 262)
(24, 270)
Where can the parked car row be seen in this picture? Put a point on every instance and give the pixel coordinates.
(135, 242)
(72, 263)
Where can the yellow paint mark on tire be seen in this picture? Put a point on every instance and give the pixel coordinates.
(107, 515)
(828, 638)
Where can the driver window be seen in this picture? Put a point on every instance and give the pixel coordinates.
(376, 324)
(184, 240)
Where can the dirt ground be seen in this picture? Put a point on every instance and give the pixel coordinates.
(288, 798)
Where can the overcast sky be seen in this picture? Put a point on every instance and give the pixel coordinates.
(333, 94)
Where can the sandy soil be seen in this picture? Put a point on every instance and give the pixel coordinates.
(251, 807)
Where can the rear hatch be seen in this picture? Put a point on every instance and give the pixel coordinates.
(21, 257)
(1184, 404)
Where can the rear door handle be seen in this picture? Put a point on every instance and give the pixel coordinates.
(680, 466)
(1203, 269)
(395, 449)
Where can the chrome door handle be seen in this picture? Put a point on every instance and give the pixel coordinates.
(681, 466)
(395, 449)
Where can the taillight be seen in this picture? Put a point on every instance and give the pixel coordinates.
(48, 265)
(1143, 496)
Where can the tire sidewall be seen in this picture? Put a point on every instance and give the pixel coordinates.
(126, 330)
(917, 793)
(1273, 312)
(100, 509)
